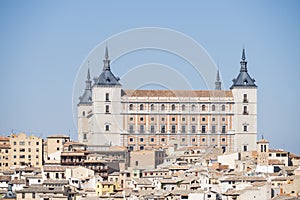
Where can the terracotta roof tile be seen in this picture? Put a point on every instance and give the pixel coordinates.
(177, 93)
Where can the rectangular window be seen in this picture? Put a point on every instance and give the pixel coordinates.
(245, 100)
(173, 119)
(245, 128)
(173, 129)
(21, 143)
(193, 119)
(37, 143)
(107, 108)
(193, 129)
(152, 139)
(245, 110)
(223, 129)
(142, 129)
(152, 127)
(141, 139)
(33, 195)
(131, 130)
(107, 127)
(213, 129)
(203, 129)
(84, 136)
(182, 129)
(183, 119)
(163, 129)
(182, 139)
(107, 97)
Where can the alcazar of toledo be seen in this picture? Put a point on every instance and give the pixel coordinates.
(141, 119)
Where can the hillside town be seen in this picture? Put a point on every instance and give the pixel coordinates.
(58, 168)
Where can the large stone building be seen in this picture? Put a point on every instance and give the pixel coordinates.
(26, 150)
(138, 119)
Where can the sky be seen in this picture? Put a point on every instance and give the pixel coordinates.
(44, 43)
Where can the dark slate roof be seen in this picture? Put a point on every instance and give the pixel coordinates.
(243, 79)
(86, 98)
(107, 78)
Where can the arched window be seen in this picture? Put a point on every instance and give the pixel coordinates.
(83, 113)
(193, 107)
(141, 107)
(130, 107)
(183, 107)
(163, 107)
(203, 107)
(213, 107)
(223, 107)
(152, 107)
(173, 107)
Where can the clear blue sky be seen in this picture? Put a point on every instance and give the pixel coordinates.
(43, 43)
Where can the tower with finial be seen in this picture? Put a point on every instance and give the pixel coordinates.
(84, 105)
(244, 92)
(104, 117)
(218, 82)
(262, 152)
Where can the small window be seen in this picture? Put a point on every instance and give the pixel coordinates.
(152, 107)
(106, 127)
(131, 130)
(245, 128)
(130, 139)
(203, 119)
(107, 108)
(223, 129)
(193, 129)
(182, 139)
(213, 129)
(193, 119)
(131, 118)
(245, 110)
(203, 129)
(213, 139)
(136, 163)
(130, 107)
(173, 129)
(141, 119)
(152, 119)
(162, 119)
(57, 148)
(173, 107)
(223, 119)
(84, 136)
(37, 143)
(193, 107)
(142, 107)
(245, 99)
(203, 107)
(223, 139)
(173, 119)
(83, 113)
(152, 129)
(213, 119)
(163, 129)
(183, 119)
(152, 139)
(142, 129)
(163, 107)
(245, 148)
(223, 107)
(163, 139)
(183, 129)
(141, 139)
(203, 139)
(107, 97)
(183, 107)
(213, 108)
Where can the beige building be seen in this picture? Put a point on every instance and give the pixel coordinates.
(5, 151)
(146, 159)
(53, 148)
(138, 119)
(26, 150)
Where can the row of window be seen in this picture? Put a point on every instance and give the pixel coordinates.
(22, 143)
(174, 129)
(24, 150)
(23, 156)
(173, 107)
(183, 119)
(152, 139)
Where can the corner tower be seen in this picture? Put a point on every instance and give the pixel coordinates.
(106, 121)
(84, 107)
(244, 92)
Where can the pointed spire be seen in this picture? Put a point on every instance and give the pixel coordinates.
(243, 62)
(218, 82)
(106, 53)
(243, 54)
(88, 82)
(106, 61)
(88, 75)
